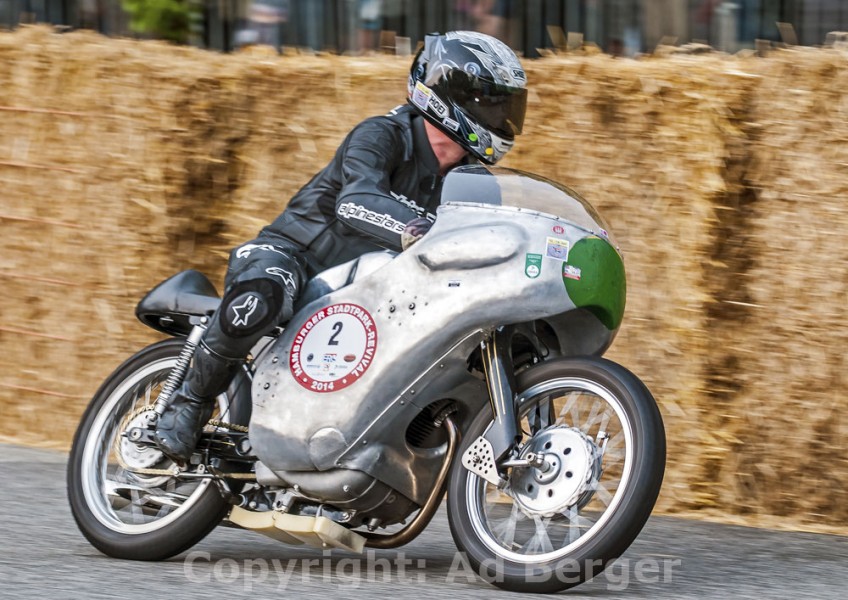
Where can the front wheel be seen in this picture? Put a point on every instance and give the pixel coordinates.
(121, 494)
(548, 529)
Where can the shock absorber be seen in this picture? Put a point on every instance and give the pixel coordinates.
(178, 372)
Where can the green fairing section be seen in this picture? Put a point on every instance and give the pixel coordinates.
(601, 288)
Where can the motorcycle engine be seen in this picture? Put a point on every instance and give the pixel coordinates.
(355, 492)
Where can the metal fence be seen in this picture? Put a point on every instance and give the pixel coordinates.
(619, 26)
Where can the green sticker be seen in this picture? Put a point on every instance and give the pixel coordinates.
(472, 137)
(533, 265)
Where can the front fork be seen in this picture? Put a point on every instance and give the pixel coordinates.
(500, 379)
(487, 451)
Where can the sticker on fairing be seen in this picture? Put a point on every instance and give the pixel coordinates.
(557, 248)
(533, 265)
(571, 272)
(333, 348)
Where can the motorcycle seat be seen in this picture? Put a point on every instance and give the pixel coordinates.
(169, 306)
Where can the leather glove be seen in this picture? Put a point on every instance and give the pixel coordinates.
(414, 231)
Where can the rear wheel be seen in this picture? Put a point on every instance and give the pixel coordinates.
(122, 496)
(551, 528)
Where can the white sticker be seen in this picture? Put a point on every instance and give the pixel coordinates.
(333, 348)
(571, 272)
(450, 124)
(421, 95)
(438, 106)
(557, 248)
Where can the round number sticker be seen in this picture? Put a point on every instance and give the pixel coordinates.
(333, 348)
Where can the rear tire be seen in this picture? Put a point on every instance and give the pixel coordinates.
(113, 507)
(492, 544)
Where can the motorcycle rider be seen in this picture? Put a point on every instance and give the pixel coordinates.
(466, 100)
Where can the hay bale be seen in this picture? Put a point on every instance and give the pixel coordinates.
(723, 178)
(786, 428)
(646, 142)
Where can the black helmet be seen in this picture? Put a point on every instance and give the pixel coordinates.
(472, 87)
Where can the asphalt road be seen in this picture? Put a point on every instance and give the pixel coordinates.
(42, 555)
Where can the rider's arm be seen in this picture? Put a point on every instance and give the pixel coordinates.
(365, 203)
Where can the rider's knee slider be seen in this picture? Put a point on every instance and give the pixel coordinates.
(251, 306)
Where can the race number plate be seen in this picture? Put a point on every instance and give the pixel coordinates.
(333, 348)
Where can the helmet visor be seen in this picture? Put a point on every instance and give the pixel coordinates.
(499, 108)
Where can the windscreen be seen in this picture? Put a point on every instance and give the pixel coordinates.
(480, 184)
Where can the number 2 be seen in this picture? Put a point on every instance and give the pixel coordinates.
(337, 327)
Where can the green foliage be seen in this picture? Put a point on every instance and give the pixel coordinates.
(165, 19)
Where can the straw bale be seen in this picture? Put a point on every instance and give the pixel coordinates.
(722, 177)
(784, 450)
(646, 142)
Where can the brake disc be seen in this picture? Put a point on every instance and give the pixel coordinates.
(572, 466)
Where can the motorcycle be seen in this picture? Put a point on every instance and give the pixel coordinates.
(467, 366)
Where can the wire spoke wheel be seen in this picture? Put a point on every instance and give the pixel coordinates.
(542, 516)
(125, 496)
(121, 495)
(600, 434)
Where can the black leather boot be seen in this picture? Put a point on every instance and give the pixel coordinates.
(191, 406)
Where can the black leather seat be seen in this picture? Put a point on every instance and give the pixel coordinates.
(169, 306)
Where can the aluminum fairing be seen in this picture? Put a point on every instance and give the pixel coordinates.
(430, 306)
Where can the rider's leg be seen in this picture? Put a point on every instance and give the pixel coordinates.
(262, 284)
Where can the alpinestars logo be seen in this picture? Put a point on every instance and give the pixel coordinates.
(247, 249)
(243, 311)
(286, 276)
(349, 210)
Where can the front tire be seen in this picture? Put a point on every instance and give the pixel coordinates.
(604, 442)
(122, 511)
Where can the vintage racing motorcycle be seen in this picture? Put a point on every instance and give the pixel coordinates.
(467, 365)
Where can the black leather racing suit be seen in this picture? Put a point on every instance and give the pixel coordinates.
(383, 175)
